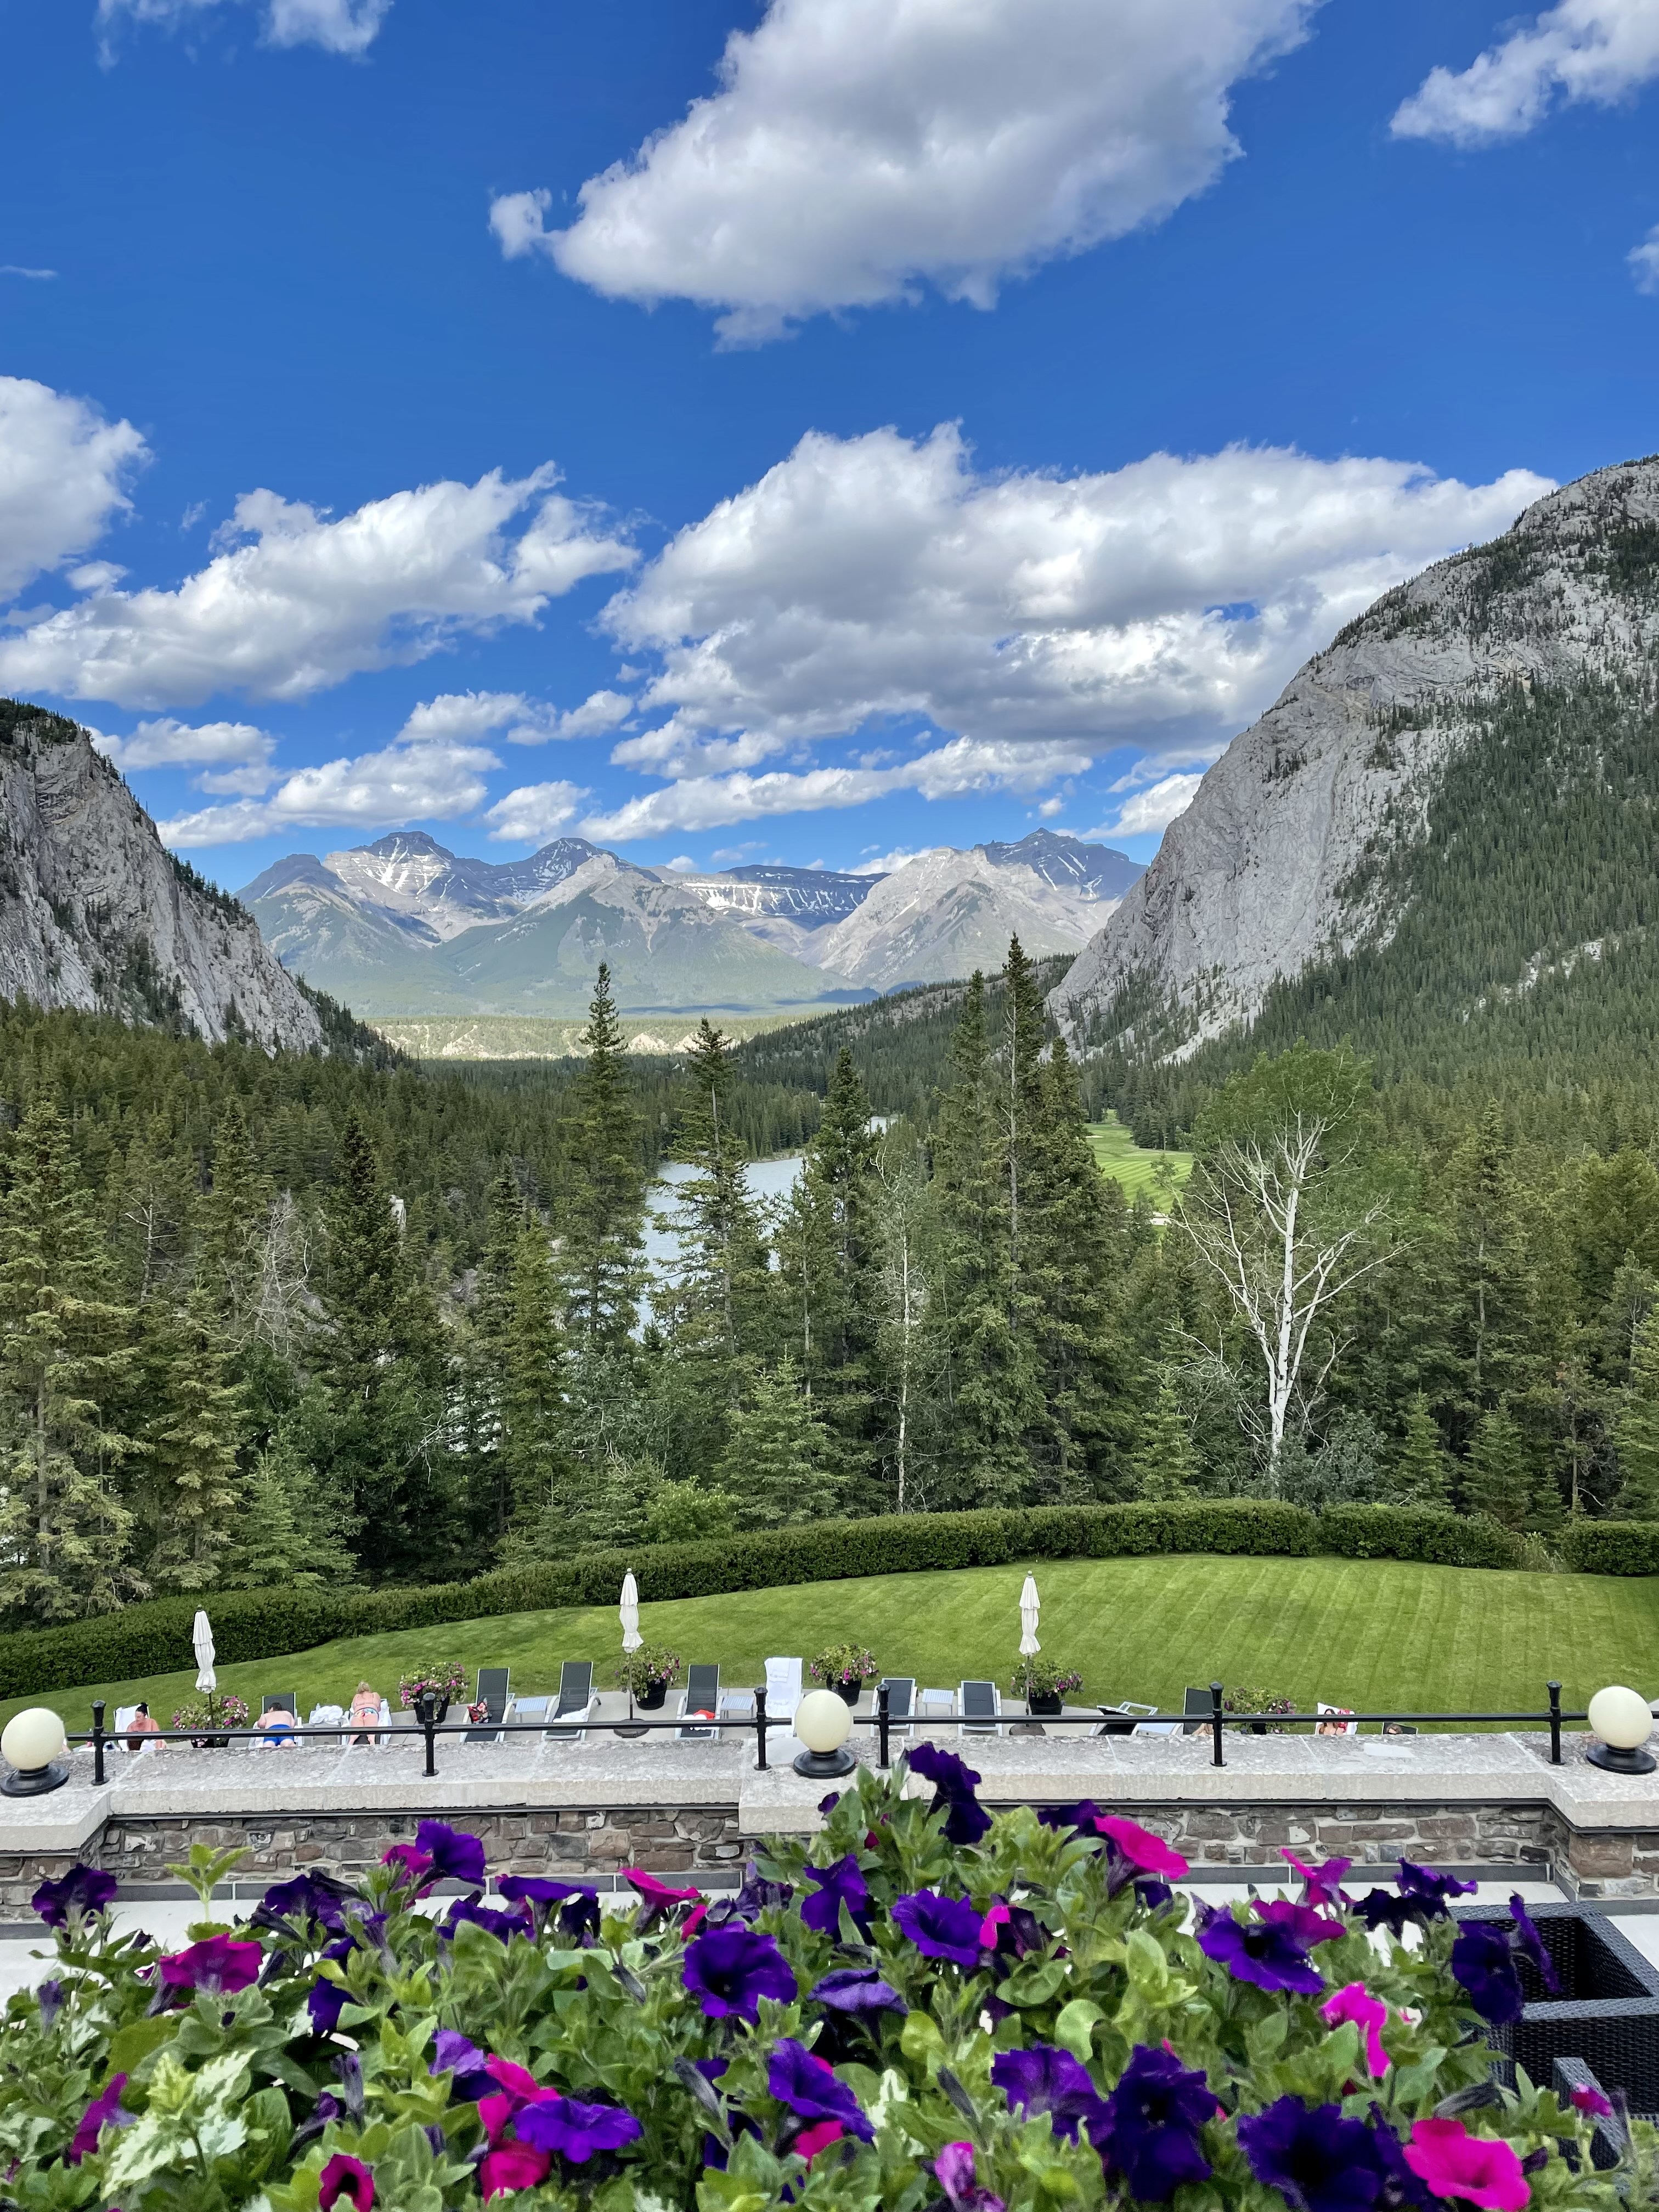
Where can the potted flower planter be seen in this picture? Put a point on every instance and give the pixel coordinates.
(1040, 1707)
(653, 1697)
(849, 1693)
(845, 1668)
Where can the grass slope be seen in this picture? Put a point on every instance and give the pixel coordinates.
(1372, 1635)
(1117, 1155)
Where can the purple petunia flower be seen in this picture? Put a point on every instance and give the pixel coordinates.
(347, 2180)
(503, 1925)
(1484, 1963)
(1149, 2128)
(454, 1855)
(104, 2111)
(1300, 1921)
(940, 1927)
(756, 1896)
(578, 1902)
(315, 1899)
(1153, 1895)
(1258, 1952)
(1320, 1884)
(454, 2053)
(82, 1891)
(953, 2170)
(729, 1970)
(575, 2130)
(1044, 2079)
(1086, 1817)
(219, 1965)
(1386, 1908)
(326, 2003)
(1426, 1887)
(837, 1885)
(954, 1783)
(1317, 2161)
(1529, 1944)
(810, 2089)
(50, 1998)
(856, 1989)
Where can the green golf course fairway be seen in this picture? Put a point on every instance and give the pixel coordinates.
(1374, 1634)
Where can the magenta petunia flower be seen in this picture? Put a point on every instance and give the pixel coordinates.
(819, 2137)
(1258, 1952)
(219, 1965)
(940, 1927)
(808, 2087)
(1354, 2001)
(104, 2111)
(1454, 2163)
(574, 2131)
(729, 1970)
(347, 2180)
(1300, 1921)
(413, 1867)
(512, 2165)
(1150, 1853)
(657, 1899)
(954, 2170)
(1321, 1884)
(82, 1891)
(1590, 2102)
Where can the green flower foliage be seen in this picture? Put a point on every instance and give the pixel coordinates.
(350, 2029)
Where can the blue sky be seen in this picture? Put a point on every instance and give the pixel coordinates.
(947, 419)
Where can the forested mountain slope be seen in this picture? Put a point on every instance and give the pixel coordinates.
(96, 914)
(1440, 840)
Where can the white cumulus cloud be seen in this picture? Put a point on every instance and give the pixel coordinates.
(339, 27)
(295, 601)
(233, 757)
(1584, 49)
(534, 813)
(1155, 808)
(436, 781)
(63, 473)
(856, 146)
(870, 583)
(1644, 262)
(523, 722)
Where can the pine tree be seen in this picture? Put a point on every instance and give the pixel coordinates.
(482, 1406)
(1164, 1464)
(231, 1217)
(533, 1396)
(154, 1202)
(1422, 1475)
(603, 1210)
(190, 1487)
(285, 1537)
(1636, 1431)
(65, 1533)
(777, 1462)
(1498, 1480)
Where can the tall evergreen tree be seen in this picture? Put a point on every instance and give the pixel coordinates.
(1636, 1432)
(777, 1462)
(231, 1216)
(534, 1445)
(190, 1486)
(1421, 1473)
(1498, 1480)
(287, 1534)
(1163, 1464)
(65, 1533)
(602, 1212)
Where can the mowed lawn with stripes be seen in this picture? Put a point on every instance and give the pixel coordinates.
(1371, 1635)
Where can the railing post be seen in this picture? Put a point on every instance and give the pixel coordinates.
(1555, 1724)
(760, 1729)
(883, 1697)
(98, 1741)
(1215, 1722)
(428, 1707)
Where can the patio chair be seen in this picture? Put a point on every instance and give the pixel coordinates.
(783, 1691)
(493, 1684)
(900, 1702)
(1341, 1722)
(324, 1717)
(124, 1716)
(281, 1711)
(981, 1709)
(1198, 1702)
(286, 1701)
(1121, 1719)
(702, 1698)
(577, 1704)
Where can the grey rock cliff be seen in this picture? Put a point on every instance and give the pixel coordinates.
(95, 912)
(1263, 872)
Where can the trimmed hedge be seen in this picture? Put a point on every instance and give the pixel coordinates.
(1611, 1547)
(154, 1639)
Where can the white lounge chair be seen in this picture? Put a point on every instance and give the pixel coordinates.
(124, 1716)
(324, 1717)
(783, 1691)
(1132, 1713)
(1341, 1722)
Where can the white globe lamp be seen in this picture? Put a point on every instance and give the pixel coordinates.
(1623, 1721)
(33, 1746)
(823, 1724)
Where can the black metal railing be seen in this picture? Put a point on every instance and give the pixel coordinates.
(1217, 1720)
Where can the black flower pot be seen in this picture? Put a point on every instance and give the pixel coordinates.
(849, 1693)
(653, 1697)
(1048, 1707)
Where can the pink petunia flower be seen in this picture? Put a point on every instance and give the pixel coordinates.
(515, 2165)
(345, 2180)
(811, 2141)
(1477, 2168)
(1321, 1884)
(1141, 1847)
(219, 1964)
(1590, 2101)
(996, 1917)
(1354, 2001)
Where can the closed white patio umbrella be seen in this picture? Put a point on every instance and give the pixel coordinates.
(201, 1638)
(628, 1614)
(1028, 1604)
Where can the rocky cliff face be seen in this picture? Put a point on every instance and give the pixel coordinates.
(95, 913)
(1273, 863)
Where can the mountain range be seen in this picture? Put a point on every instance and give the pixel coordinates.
(1438, 840)
(402, 926)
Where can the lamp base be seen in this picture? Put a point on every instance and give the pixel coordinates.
(1620, 1762)
(35, 1781)
(824, 1765)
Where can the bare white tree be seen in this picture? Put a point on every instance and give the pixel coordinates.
(1272, 1213)
(904, 1299)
